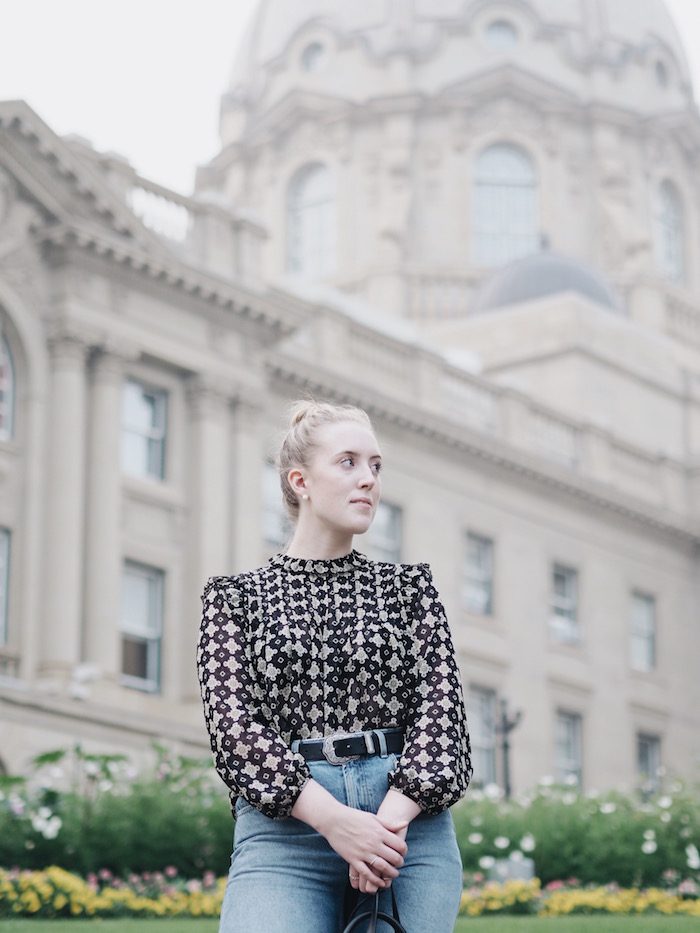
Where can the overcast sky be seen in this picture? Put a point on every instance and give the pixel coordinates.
(144, 77)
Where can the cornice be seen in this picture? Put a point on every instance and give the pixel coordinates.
(29, 700)
(20, 122)
(279, 321)
(547, 476)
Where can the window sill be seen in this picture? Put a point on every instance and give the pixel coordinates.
(152, 490)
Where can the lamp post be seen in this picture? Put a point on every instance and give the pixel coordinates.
(505, 727)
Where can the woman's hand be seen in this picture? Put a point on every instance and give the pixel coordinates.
(395, 813)
(373, 848)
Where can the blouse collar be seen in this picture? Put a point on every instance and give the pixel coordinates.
(345, 564)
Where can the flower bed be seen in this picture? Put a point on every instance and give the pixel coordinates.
(561, 898)
(57, 893)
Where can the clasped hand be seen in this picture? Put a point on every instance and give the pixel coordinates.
(380, 857)
(374, 846)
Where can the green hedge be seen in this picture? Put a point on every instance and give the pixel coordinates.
(111, 819)
(94, 813)
(632, 839)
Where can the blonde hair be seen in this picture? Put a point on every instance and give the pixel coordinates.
(306, 416)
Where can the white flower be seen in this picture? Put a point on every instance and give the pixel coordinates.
(475, 838)
(527, 843)
(568, 798)
(571, 780)
(52, 827)
(649, 846)
(693, 857)
(649, 834)
(665, 802)
(493, 792)
(546, 781)
(608, 807)
(665, 817)
(486, 861)
(44, 813)
(516, 856)
(501, 842)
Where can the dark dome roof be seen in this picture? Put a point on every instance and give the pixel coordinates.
(540, 275)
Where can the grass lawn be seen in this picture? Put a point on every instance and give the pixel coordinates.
(596, 924)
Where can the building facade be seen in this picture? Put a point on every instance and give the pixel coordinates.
(475, 219)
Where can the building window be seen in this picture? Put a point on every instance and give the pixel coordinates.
(313, 58)
(477, 586)
(669, 238)
(506, 216)
(311, 222)
(661, 73)
(482, 733)
(4, 582)
(643, 632)
(143, 430)
(567, 752)
(649, 760)
(277, 527)
(141, 626)
(501, 35)
(383, 540)
(563, 620)
(7, 392)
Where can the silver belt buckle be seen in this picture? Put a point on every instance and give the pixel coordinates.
(329, 752)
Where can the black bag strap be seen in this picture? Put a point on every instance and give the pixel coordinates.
(367, 911)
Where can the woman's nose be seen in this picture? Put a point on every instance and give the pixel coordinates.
(368, 477)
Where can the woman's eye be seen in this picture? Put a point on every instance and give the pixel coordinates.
(377, 467)
(347, 460)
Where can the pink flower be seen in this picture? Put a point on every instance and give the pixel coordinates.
(170, 871)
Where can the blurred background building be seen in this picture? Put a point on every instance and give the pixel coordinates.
(475, 218)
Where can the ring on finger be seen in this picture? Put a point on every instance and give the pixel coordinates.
(373, 860)
(354, 877)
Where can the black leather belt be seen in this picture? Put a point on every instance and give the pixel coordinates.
(340, 747)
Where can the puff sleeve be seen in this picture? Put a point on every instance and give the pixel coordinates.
(250, 757)
(435, 767)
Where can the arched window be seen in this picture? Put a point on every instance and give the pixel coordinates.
(7, 391)
(506, 216)
(311, 222)
(669, 238)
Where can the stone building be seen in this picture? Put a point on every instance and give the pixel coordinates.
(475, 218)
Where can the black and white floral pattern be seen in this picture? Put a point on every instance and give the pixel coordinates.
(304, 648)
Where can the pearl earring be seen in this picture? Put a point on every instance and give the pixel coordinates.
(304, 497)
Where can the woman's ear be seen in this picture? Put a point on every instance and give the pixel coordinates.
(296, 480)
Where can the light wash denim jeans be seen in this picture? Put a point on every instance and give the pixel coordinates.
(285, 878)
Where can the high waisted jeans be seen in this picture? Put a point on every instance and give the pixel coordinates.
(285, 878)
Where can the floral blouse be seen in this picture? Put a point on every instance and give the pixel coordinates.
(303, 648)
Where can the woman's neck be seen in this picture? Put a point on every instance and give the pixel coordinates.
(319, 545)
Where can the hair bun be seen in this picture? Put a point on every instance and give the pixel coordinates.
(300, 410)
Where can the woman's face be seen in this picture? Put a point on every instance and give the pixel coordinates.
(342, 480)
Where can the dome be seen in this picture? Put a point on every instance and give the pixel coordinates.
(604, 30)
(540, 275)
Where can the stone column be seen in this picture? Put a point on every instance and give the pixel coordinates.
(246, 485)
(102, 524)
(211, 478)
(209, 508)
(60, 635)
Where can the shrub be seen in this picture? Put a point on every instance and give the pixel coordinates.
(112, 819)
(619, 838)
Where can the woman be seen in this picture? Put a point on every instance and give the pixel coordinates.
(334, 706)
